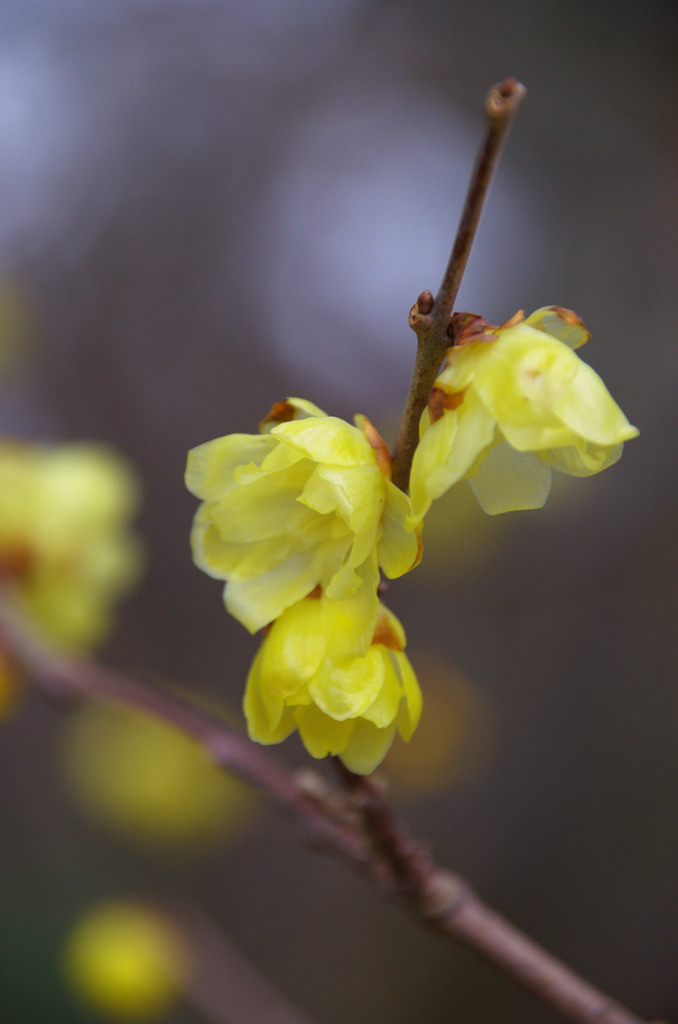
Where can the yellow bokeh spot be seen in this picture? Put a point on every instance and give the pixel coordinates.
(131, 772)
(455, 738)
(124, 959)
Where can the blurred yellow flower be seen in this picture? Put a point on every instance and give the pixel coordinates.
(307, 503)
(134, 773)
(126, 960)
(65, 544)
(347, 690)
(455, 741)
(511, 404)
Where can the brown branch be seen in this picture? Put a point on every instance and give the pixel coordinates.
(380, 849)
(448, 904)
(429, 317)
(59, 676)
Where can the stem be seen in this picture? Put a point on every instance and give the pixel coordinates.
(381, 850)
(429, 317)
(59, 676)
(448, 905)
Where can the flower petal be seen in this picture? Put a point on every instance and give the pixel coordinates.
(266, 720)
(410, 709)
(329, 440)
(589, 409)
(347, 690)
(320, 734)
(508, 480)
(367, 747)
(257, 601)
(447, 451)
(210, 466)
(560, 323)
(295, 648)
(383, 710)
(584, 459)
(399, 549)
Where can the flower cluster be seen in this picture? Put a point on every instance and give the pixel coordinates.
(300, 519)
(307, 508)
(511, 404)
(65, 544)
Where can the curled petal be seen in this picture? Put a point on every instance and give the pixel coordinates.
(583, 459)
(560, 323)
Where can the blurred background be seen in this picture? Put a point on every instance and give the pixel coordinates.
(209, 206)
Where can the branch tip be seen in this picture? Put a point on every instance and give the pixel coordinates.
(504, 98)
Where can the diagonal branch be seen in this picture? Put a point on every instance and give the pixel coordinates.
(429, 317)
(375, 843)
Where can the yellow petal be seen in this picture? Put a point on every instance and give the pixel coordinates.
(304, 408)
(447, 451)
(329, 440)
(357, 493)
(210, 466)
(265, 508)
(547, 431)
(529, 372)
(584, 459)
(589, 409)
(560, 323)
(256, 602)
(263, 709)
(367, 747)
(383, 710)
(320, 734)
(294, 649)
(347, 690)
(210, 553)
(399, 549)
(508, 480)
(410, 709)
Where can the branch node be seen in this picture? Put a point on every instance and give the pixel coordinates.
(443, 895)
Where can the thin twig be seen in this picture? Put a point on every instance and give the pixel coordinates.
(382, 851)
(429, 317)
(448, 904)
(59, 676)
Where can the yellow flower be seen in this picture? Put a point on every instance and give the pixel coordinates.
(65, 544)
(510, 404)
(308, 502)
(126, 960)
(134, 773)
(346, 690)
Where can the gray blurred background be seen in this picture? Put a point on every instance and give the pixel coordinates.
(208, 206)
